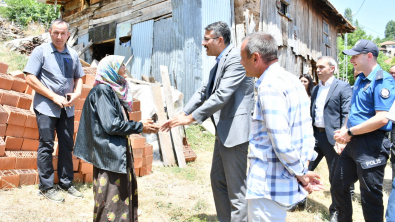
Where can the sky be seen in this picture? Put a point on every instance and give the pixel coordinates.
(373, 15)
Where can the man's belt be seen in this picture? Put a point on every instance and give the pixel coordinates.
(319, 129)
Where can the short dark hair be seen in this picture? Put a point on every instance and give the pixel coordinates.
(263, 44)
(59, 20)
(220, 29)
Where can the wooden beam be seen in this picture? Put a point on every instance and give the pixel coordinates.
(85, 48)
(164, 137)
(175, 132)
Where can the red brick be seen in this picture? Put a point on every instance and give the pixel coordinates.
(76, 125)
(78, 177)
(147, 160)
(55, 177)
(30, 145)
(10, 98)
(85, 91)
(85, 168)
(136, 105)
(16, 116)
(13, 143)
(76, 163)
(25, 101)
(55, 162)
(148, 149)
(31, 133)
(138, 162)
(29, 90)
(90, 74)
(137, 141)
(77, 115)
(24, 159)
(3, 115)
(138, 152)
(31, 120)
(17, 73)
(3, 128)
(79, 104)
(26, 176)
(37, 179)
(137, 171)
(3, 67)
(19, 85)
(9, 179)
(88, 178)
(135, 116)
(7, 162)
(15, 131)
(5, 80)
(145, 170)
(2, 147)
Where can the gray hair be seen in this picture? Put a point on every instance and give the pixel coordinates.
(263, 44)
(58, 21)
(330, 61)
(220, 29)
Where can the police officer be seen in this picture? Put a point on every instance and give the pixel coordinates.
(366, 131)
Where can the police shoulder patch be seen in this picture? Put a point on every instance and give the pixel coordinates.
(385, 93)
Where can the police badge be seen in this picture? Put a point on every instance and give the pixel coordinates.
(384, 93)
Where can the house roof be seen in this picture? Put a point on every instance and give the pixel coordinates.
(388, 43)
(331, 11)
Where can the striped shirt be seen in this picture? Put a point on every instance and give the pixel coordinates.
(281, 138)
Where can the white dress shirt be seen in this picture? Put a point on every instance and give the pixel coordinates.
(320, 102)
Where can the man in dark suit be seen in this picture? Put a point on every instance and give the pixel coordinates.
(330, 104)
(227, 98)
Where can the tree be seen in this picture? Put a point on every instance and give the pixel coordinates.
(348, 15)
(390, 29)
(352, 38)
(24, 11)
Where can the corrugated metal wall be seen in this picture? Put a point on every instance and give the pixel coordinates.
(213, 11)
(142, 43)
(187, 18)
(163, 52)
(123, 29)
(85, 40)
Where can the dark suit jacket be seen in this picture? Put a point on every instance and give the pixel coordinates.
(337, 106)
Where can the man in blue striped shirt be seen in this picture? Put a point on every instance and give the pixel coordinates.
(281, 137)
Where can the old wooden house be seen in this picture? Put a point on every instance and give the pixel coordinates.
(170, 32)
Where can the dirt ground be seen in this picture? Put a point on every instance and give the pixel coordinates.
(168, 194)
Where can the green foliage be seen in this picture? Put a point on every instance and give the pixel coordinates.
(390, 29)
(352, 38)
(24, 11)
(348, 15)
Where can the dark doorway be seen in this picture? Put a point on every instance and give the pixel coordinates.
(100, 50)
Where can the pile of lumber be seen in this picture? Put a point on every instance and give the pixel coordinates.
(26, 45)
(9, 32)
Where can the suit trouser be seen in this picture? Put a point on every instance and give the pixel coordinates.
(64, 127)
(392, 159)
(363, 159)
(324, 148)
(228, 181)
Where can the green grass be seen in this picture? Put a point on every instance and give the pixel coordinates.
(15, 60)
(199, 138)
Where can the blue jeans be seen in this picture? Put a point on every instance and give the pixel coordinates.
(390, 215)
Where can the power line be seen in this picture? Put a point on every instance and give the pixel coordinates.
(371, 30)
(359, 8)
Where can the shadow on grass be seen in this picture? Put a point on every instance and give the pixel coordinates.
(387, 185)
(316, 207)
(203, 217)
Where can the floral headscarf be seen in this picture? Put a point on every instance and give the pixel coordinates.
(107, 73)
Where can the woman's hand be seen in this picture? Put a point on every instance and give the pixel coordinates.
(149, 126)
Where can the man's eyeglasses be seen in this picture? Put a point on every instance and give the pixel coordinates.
(208, 39)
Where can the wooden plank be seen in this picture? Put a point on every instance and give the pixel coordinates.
(130, 14)
(164, 137)
(85, 48)
(175, 132)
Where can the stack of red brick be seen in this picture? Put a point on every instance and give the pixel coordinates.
(19, 133)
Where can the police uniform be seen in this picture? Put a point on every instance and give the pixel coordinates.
(366, 155)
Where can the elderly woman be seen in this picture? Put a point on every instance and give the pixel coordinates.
(103, 141)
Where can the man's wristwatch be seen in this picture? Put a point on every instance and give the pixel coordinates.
(349, 132)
